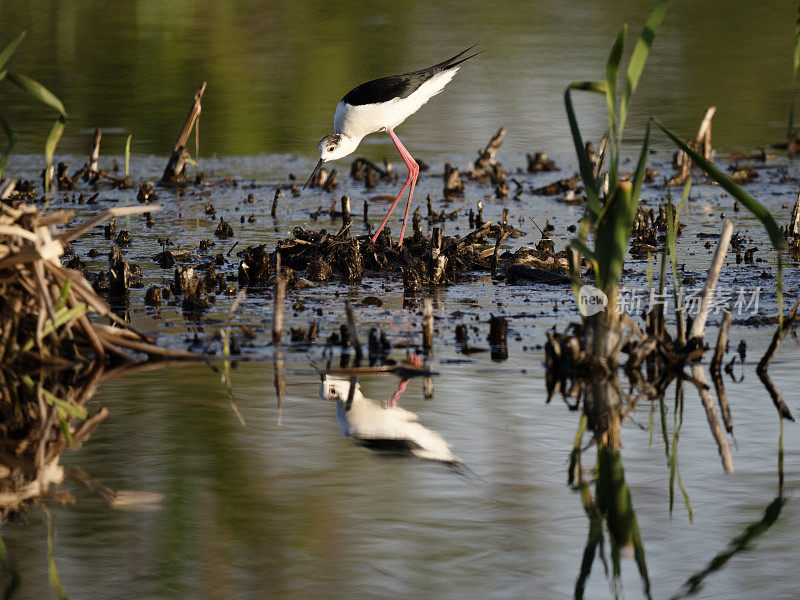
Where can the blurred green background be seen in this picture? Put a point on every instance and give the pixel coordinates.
(276, 70)
(285, 508)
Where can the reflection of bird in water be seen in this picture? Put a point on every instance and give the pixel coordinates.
(384, 428)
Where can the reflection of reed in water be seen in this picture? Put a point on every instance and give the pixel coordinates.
(52, 356)
(35, 431)
(610, 508)
(611, 505)
(44, 414)
(742, 541)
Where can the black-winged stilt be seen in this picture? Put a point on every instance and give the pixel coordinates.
(381, 105)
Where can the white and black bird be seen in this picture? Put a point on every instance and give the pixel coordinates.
(383, 428)
(381, 105)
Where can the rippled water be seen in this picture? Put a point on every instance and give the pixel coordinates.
(286, 507)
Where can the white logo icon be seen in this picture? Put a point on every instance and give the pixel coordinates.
(591, 300)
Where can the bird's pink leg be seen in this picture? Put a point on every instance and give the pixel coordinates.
(399, 392)
(413, 174)
(415, 361)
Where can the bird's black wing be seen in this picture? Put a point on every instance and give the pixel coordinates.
(385, 89)
(399, 86)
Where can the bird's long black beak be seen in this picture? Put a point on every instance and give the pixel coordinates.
(314, 173)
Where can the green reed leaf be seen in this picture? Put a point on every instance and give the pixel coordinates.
(612, 70)
(590, 183)
(38, 91)
(9, 50)
(639, 57)
(12, 141)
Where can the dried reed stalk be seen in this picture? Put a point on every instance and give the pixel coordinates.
(52, 355)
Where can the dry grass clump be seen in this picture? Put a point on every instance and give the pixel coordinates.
(51, 355)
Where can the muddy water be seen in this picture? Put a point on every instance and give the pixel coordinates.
(286, 507)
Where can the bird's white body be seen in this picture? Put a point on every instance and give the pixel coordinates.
(356, 122)
(368, 421)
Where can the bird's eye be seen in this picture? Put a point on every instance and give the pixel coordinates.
(330, 148)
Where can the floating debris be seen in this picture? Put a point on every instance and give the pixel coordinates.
(560, 187)
(367, 171)
(123, 238)
(452, 181)
(223, 230)
(486, 168)
(165, 259)
(146, 193)
(540, 162)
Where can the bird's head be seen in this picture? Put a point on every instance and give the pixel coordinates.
(332, 147)
(337, 389)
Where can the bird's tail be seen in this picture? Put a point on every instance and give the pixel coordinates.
(457, 60)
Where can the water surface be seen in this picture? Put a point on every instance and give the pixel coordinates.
(276, 70)
(286, 507)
